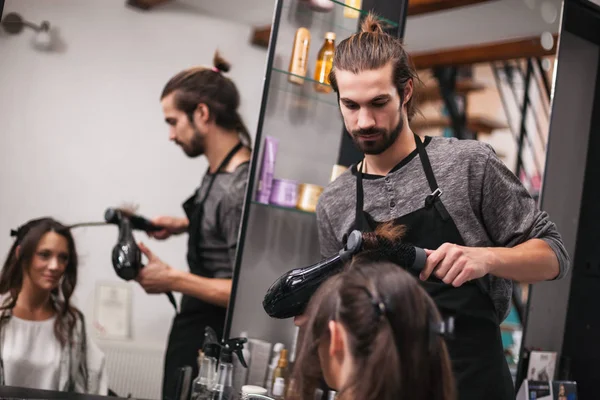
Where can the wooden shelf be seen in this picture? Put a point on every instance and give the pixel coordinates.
(478, 124)
(463, 87)
(497, 51)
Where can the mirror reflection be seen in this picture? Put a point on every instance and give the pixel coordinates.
(111, 111)
(145, 127)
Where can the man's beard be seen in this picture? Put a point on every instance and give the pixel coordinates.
(195, 147)
(380, 144)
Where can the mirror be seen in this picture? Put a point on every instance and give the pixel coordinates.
(488, 74)
(83, 130)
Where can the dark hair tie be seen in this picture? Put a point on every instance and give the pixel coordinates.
(14, 233)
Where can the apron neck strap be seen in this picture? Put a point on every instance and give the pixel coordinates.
(426, 165)
(359, 216)
(221, 166)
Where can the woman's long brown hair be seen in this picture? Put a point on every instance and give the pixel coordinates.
(396, 353)
(28, 237)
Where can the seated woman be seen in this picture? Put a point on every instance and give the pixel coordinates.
(43, 340)
(372, 333)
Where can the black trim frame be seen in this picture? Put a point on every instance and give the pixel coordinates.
(253, 167)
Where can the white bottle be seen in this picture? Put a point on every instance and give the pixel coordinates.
(279, 388)
(276, 351)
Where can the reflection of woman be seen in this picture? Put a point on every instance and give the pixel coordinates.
(371, 333)
(561, 392)
(43, 341)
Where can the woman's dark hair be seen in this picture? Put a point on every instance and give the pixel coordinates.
(372, 48)
(200, 85)
(27, 239)
(389, 319)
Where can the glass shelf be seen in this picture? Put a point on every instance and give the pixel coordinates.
(364, 12)
(273, 206)
(305, 90)
(323, 16)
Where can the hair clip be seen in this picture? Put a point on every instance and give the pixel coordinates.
(14, 233)
(444, 328)
(379, 305)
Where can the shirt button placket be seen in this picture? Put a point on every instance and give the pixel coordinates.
(390, 190)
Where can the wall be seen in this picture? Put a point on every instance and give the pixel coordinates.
(82, 127)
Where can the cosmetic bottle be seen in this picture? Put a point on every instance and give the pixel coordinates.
(324, 64)
(240, 374)
(349, 12)
(281, 370)
(274, 361)
(202, 385)
(279, 388)
(299, 61)
(267, 170)
(222, 388)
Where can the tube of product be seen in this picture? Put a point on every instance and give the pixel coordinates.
(267, 169)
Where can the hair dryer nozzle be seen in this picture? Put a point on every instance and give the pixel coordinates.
(289, 295)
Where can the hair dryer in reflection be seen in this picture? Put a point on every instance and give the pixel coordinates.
(289, 295)
(126, 255)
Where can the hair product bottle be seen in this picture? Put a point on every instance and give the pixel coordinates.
(349, 12)
(324, 64)
(299, 61)
(280, 373)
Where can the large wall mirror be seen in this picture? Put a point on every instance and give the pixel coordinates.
(83, 130)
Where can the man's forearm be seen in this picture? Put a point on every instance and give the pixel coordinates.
(211, 290)
(529, 262)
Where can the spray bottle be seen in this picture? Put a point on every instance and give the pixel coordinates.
(206, 375)
(222, 388)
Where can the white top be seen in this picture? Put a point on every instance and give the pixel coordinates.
(31, 354)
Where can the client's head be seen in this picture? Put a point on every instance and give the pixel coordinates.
(370, 334)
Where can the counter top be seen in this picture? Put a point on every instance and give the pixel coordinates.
(14, 393)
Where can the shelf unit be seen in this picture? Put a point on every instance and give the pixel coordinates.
(309, 128)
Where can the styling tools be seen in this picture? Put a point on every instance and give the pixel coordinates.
(289, 295)
(126, 255)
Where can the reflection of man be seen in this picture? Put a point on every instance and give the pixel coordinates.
(200, 106)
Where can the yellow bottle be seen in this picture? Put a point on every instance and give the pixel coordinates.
(280, 372)
(324, 64)
(299, 61)
(349, 12)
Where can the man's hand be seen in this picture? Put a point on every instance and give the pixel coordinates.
(170, 225)
(156, 276)
(456, 265)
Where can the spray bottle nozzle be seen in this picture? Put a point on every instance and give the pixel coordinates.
(235, 345)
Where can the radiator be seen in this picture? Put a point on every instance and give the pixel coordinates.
(134, 369)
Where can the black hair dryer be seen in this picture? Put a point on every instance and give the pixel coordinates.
(126, 255)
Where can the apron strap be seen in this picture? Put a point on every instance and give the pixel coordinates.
(223, 164)
(359, 222)
(426, 165)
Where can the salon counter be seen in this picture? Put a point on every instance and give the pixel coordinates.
(11, 392)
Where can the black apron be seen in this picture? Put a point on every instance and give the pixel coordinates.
(476, 350)
(187, 332)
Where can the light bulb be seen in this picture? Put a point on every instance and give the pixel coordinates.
(547, 41)
(549, 12)
(43, 40)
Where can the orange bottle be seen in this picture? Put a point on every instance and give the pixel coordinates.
(324, 64)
